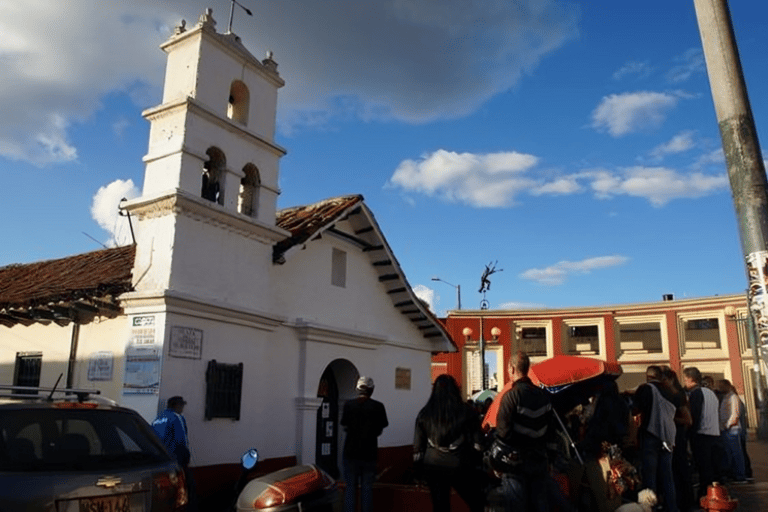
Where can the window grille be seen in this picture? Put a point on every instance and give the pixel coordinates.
(27, 371)
(224, 385)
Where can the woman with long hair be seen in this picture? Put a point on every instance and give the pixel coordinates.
(447, 447)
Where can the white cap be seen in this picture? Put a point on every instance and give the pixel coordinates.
(364, 384)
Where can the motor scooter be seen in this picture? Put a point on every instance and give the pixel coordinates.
(303, 488)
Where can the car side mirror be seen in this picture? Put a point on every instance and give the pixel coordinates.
(250, 459)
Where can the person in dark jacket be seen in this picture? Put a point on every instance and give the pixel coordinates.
(447, 447)
(364, 420)
(656, 435)
(525, 423)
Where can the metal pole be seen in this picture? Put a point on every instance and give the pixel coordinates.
(458, 295)
(482, 355)
(746, 171)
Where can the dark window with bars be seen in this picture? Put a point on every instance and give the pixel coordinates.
(27, 371)
(224, 384)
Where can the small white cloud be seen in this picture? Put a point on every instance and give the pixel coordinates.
(713, 157)
(625, 113)
(641, 69)
(561, 186)
(681, 142)
(691, 62)
(657, 184)
(559, 272)
(426, 294)
(105, 212)
(120, 125)
(482, 180)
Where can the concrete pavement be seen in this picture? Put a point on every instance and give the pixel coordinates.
(754, 496)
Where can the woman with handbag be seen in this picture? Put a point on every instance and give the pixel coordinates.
(447, 447)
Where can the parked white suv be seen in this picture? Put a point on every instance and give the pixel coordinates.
(72, 451)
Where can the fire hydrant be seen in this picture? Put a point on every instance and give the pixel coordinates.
(717, 498)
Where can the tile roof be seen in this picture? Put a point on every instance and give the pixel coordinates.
(93, 279)
(305, 221)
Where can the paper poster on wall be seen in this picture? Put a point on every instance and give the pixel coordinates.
(325, 449)
(186, 342)
(328, 429)
(142, 370)
(326, 410)
(100, 366)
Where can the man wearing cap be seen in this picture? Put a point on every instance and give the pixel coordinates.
(363, 419)
(171, 428)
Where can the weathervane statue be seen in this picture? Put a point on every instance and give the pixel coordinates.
(485, 282)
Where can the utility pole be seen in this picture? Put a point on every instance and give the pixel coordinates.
(746, 171)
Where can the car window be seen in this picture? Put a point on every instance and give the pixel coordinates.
(75, 439)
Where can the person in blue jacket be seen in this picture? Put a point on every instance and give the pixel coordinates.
(171, 428)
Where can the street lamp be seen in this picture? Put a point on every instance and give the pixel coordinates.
(458, 290)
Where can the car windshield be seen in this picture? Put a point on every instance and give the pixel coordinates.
(73, 439)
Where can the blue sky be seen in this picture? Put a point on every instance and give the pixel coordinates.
(574, 142)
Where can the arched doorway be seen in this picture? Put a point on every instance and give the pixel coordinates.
(336, 386)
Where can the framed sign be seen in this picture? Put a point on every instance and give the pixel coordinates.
(186, 342)
(402, 378)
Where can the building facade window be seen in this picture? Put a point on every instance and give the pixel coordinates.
(238, 102)
(640, 336)
(223, 391)
(583, 336)
(248, 202)
(532, 340)
(701, 333)
(27, 370)
(339, 268)
(212, 186)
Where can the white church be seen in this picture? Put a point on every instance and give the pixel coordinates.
(261, 319)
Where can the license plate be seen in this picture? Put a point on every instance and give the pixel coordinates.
(118, 503)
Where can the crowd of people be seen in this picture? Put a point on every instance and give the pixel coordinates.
(669, 436)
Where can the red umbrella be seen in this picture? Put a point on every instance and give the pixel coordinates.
(568, 378)
(560, 372)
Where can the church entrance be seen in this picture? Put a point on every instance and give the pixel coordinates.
(337, 385)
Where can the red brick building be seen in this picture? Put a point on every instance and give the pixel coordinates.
(710, 333)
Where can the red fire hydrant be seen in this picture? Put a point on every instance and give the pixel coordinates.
(717, 498)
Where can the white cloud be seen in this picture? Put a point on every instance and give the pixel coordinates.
(412, 61)
(60, 60)
(625, 113)
(657, 184)
(105, 212)
(496, 180)
(641, 69)
(426, 294)
(690, 62)
(713, 157)
(559, 272)
(482, 180)
(680, 143)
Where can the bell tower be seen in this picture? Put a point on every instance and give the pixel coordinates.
(211, 170)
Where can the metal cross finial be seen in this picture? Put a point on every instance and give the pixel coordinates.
(232, 13)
